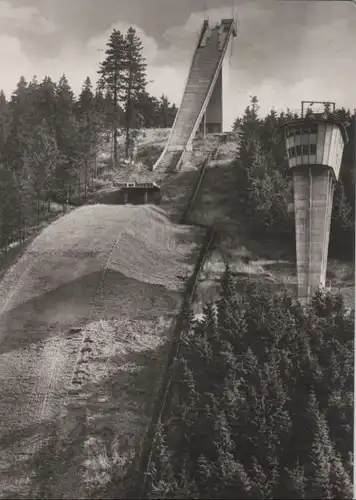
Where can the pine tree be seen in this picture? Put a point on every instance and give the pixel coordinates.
(66, 127)
(259, 478)
(43, 158)
(164, 109)
(85, 106)
(146, 112)
(340, 481)
(5, 122)
(32, 99)
(20, 129)
(134, 79)
(167, 112)
(211, 328)
(226, 308)
(319, 454)
(90, 125)
(16, 154)
(291, 483)
(9, 206)
(342, 225)
(161, 478)
(46, 102)
(112, 74)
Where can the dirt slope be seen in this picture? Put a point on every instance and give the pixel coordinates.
(114, 272)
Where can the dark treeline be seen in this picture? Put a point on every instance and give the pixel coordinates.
(262, 401)
(50, 139)
(265, 184)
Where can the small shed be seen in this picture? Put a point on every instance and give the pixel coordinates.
(139, 193)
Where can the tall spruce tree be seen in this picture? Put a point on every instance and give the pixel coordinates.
(134, 80)
(20, 129)
(9, 203)
(43, 158)
(5, 123)
(46, 102)
(112, 74)
(89, 131)
(66, 137)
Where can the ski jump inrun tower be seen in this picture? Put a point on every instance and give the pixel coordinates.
(202, 102)
(314, 147)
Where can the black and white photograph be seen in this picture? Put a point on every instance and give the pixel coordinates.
(177, 249)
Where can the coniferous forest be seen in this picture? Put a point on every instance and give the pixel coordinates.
(50, 139)
(262, 401)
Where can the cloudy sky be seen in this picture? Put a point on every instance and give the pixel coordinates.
(286, 50)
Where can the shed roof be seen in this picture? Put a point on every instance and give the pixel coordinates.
(135, 185)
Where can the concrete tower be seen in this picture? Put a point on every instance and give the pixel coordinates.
(314, 147)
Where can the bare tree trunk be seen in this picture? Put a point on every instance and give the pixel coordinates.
(127, 130)
(85, 183)
(115, 117)
(128, 116)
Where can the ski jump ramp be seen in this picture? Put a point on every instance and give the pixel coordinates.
(201, 107)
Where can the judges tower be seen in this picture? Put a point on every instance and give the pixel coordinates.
(314, 145)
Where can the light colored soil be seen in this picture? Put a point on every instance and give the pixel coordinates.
(98, 263)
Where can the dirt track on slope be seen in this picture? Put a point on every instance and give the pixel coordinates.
(99, 265)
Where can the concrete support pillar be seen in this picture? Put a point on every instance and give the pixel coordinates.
(214, 110)
(313, 195)
(146, 197)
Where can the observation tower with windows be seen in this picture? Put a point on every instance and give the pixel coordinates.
(314, 145)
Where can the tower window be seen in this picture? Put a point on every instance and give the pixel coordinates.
(303, 150)
(313, 129)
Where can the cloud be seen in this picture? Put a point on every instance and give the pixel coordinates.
(79, 60)
(285, 52)
(25, 19)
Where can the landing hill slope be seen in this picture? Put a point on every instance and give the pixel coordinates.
(82, 313)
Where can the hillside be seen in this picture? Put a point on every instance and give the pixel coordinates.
(85, 313)
(269, 264)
